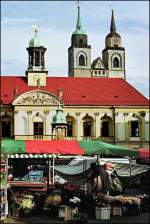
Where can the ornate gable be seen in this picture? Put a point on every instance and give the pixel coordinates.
(36, 97)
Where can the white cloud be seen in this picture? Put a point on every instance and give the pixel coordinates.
(13, 21)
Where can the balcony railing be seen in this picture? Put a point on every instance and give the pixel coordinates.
(50, 137)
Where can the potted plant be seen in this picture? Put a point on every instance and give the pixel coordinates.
(26, 205)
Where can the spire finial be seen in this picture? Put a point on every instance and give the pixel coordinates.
(35, 27)
(113, 26)
(78, 26)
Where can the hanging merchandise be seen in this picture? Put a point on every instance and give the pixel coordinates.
(3, 187)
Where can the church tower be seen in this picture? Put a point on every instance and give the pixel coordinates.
(36, 73)
(79, 53)
(114, 54)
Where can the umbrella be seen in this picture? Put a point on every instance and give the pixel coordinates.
(65, 147)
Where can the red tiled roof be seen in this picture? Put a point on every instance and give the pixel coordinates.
(79, 91)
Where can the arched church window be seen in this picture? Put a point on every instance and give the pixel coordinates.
(116, 62)
(81, 42)
(82, 60)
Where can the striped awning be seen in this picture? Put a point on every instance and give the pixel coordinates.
(31, 156)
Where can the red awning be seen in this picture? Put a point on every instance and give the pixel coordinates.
(144, 153)
(54, 147)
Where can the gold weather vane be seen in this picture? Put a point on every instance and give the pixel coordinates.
(36, 27)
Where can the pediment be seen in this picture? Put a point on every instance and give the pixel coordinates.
(36, 98)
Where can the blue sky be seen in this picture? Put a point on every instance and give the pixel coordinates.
(57, 20)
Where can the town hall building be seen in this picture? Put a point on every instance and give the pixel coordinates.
(95, 100)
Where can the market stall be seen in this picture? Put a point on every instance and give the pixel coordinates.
(50, 152)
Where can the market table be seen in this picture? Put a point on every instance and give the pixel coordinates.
(32, 186)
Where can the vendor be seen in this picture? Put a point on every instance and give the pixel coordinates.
(111, 182)
(95, 178)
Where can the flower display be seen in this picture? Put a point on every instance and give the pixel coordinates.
(71, 187)
(3, 178)
(53, 199)
(75, 200)
(27, 203)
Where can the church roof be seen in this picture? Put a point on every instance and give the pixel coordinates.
(78, 91)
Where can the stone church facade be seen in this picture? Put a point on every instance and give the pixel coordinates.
(96, 99)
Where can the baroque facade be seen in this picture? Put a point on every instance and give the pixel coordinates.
(96, 99)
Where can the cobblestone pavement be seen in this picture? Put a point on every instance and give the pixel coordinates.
(144, 218)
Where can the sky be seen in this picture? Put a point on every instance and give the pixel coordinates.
(57, 21)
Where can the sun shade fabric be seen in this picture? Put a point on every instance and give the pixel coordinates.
(13, 146)
(54, 147)
(65, 147)
(144, 153)
(98, 147)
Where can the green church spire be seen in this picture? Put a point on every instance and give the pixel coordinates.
(78, 25)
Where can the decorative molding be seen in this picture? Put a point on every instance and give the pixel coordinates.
(125, 114)
(77, 114)
(29, 112)
(36, 98)
(46, 112)
(96, 114)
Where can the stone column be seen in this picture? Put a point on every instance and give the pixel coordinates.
(96, 125)
(78, 136)
(30, 125)
(16, 122)
(47, 125)
(126, 124)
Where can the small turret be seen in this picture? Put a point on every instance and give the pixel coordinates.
(36, 61)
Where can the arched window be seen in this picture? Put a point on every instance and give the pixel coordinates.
(134, 129)
(38, 128)
(71, 126)
(81, 60)
(81, 42)
(87, 128)
(116, 62)
(70, 129)
(106, 127)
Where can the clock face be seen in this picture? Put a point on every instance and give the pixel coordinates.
(35, 77)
